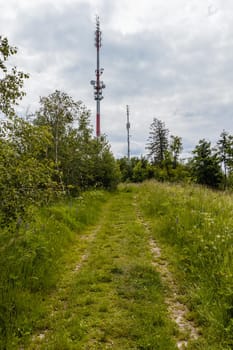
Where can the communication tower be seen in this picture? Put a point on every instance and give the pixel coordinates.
(98, 85)
(128, 136)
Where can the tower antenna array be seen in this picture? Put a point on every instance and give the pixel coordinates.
(98, 84)
(128, 127)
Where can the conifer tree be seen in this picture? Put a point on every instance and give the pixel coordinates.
(157, 142)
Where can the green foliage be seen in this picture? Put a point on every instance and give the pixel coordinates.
(157, 142)
(204, 168)
(205, 165)
(106, 171)
(58, 111)
(125, 169)
(25, 175)
(142, 171)
(175, 149)
(225, 153)
(195, 227)
(164, 155)
(39, 162)
(12, 81)
(83, 161)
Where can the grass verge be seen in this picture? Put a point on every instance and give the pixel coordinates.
(195, 227)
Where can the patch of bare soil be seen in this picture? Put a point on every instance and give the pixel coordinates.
(178, 311)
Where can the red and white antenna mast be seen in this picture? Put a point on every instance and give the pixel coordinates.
(98, 84)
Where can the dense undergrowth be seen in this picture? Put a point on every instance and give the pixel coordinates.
(196, 228)
(31, 260)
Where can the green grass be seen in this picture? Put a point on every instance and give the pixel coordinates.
(80, 274)
(115, 301)
(195, 227)
(31, 262)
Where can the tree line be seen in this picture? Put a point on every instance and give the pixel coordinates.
(210, 166)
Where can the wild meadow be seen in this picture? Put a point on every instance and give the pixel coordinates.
(195, 227)
(79, 274)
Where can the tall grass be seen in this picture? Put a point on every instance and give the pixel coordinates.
(196, 227)
(31, 259)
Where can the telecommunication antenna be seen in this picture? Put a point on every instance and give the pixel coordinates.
(98, 84)
(128, 127)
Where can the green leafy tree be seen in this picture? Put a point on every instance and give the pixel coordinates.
(25, 178)
(175, 149)
(81, 160)
(106, 170)
(25, 174)
(225, 153)
(205, 165)
(11, 82)
(142, 171)
(58, 111)
(126, 169)
(157, 142)
(77, 154)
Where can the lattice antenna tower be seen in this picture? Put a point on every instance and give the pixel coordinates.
(98, 85)
(128, 136)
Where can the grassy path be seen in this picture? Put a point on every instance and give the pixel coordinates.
(110, 296)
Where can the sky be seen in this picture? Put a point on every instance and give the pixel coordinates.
(171, 60)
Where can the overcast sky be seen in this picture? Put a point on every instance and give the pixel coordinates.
(171, 59)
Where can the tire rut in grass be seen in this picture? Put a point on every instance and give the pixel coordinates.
(66, 281)
(178, 311)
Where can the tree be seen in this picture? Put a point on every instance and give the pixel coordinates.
(126, 168)
(12, 80)
(142, 170)
(225, 153)
(105, 168)
(58, 111)
(25, 174)
(81, 160)
(175, 149)
(157, 142)
(205, 166)
(76, 158)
